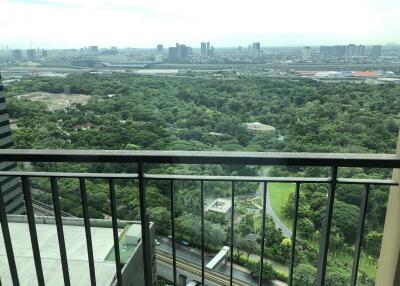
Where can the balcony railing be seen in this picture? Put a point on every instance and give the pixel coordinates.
(141, 158)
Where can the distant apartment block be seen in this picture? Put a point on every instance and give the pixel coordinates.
(10, 186)
(130, 246)
(17, 55)
(113, 51)
(342, 51)
(257, 49)
(306, 54)
(178, 53)
(206, 49)
(160, 48)
(94, 50)
(376, 52)
(203, 48)
(31, 54)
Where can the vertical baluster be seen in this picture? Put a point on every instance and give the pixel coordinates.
(60, 231)
(89, 245)
(361, 219)
(115, 230)
(32, 229)
(265, 187)
(172, 190)
(144, 220)
(202, 230)
(232, 230)
(326, 229)
(7, 240)
(294, 229)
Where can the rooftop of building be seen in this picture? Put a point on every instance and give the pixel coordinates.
(75, 243)
(259, 126)
(220, 205)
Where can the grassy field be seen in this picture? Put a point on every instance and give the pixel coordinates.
(278, 195)
(366, 265)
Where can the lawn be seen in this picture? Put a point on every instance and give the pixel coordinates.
(278, 195)
(366, 265)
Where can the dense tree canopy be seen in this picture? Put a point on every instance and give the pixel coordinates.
(134, 112)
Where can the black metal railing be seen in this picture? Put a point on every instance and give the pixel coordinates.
(333, 161)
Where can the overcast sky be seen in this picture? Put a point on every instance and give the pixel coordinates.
(145, 23)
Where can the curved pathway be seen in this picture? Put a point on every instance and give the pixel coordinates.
(268, 209)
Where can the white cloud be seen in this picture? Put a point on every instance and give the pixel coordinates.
(144, 23)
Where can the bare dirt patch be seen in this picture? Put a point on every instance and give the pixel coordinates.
(56, 101)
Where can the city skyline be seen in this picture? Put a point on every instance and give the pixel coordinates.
(54, 23)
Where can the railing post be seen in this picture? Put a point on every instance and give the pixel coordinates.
(202, 230)
(360, 232)
(172, 190)
(32, 229)
(389, 259)
(7, 241)
(60, 231)
(326, 230)
(232, 231)
(294, 230)
(88, 234)
(144, 220)
(114, 220)
(260, 279)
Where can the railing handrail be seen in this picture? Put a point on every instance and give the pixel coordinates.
(203, 157)
(332, 160)
(168, 177)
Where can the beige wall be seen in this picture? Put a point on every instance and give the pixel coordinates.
(389, 260)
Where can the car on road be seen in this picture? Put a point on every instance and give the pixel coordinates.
(184, 243)
(156, 242)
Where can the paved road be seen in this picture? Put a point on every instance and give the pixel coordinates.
(194, 256)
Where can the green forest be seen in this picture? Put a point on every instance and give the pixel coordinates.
(132, 112)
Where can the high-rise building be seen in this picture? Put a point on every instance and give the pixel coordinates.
(342, 52)
(353, 51)
(208, 48)
(31, 53)
(361, 51)
(10, 186)
(172, 54)
(94, 50)
(160, 48)
(44, 53)
(307, 54)
(183, 51)
(376, 51)
(113, 51)
(178, 53)
(211, 51)
(204, 49)
(17, 54)
(256, 49)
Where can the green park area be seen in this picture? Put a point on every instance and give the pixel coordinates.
(278, 196)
